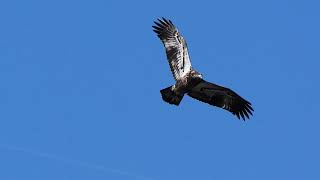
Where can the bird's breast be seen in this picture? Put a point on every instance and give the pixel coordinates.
(184, 85)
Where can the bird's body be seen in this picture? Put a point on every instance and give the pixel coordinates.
(191, 82)
(186, 83)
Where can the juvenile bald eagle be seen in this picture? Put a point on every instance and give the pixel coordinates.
(189, 81)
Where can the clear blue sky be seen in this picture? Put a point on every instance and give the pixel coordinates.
(80, 81)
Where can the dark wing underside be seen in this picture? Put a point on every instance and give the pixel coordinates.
(222, 97)
(176, 47)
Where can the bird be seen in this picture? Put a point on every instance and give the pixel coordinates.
(191, 82)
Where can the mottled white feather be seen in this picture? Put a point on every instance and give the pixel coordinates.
(176, 48)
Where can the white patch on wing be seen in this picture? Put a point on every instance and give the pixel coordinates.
(176, 49)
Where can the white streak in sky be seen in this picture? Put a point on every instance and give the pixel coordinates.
(73, 162)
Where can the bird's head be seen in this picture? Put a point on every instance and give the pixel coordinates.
(196, 74)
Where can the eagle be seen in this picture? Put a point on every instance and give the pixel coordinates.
(191, 82)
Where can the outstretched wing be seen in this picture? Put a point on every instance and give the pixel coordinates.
(222, 97)
(176, 47)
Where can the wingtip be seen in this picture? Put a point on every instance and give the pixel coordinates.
(164, 22)
(155, 31)
(168, 22)
(246, 114)
(242, 115)
(171, 22)
(238, 116)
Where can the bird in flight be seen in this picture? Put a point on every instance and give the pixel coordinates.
(191, 82)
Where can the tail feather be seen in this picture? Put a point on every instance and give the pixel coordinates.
(169, 96)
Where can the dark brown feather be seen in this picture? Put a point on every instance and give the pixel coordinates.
(222, 97)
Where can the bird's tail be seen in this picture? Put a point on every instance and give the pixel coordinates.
(169, 96)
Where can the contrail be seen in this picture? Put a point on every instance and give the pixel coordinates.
(73, 162)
